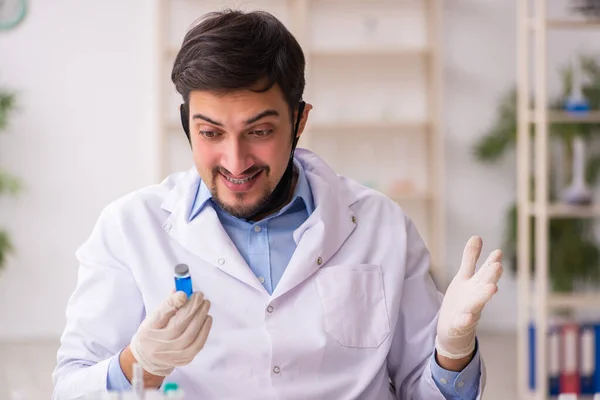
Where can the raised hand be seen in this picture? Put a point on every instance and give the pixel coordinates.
(465, 298)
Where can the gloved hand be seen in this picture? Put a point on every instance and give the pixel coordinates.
(465, 298)
(173, 334)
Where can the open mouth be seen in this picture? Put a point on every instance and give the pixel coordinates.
(242, 181)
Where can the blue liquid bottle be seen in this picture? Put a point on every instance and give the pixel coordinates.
(183, 280)
(576, 103)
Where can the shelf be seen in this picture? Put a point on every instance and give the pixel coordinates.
(171, 52)
(535, 29)
(417, 196)
(369, 126)
(414, 196)
(557, 24)
(559, 210)
(573, 301)
(563, 117)
(370, 51)
(573, 24)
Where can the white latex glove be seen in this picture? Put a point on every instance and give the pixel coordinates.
(173, 334)
(465, 298)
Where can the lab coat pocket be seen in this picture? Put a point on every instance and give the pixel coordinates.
(354, 304)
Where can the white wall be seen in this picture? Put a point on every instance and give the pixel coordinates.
(82, 137)
(476, 194)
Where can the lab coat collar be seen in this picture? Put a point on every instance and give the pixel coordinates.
(318, 238)
(326, 229)
(204, 236)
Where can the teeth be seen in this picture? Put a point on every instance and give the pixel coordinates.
(239, 181)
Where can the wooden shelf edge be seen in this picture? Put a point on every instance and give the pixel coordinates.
(560, 210)
(374, 125)
(573, 24)
(370, 51)
(557, 117)
(404, 197)
(576, 301)
(171, 52)
(565, 23)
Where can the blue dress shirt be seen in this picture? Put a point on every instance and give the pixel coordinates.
(267, 247)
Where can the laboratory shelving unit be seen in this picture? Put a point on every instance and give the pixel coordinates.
(326, 63)
(536, 302)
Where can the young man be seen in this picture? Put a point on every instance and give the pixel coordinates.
(307, 285)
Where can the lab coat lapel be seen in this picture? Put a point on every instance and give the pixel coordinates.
(204, 236)
(325, 231)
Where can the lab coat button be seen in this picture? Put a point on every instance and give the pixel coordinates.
(257, 228)
(353, 219)
(270, 309)
(276, 369)
(167, 227)
(221, 261)
(319, 261)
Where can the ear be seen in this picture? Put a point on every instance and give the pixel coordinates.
(304, 118)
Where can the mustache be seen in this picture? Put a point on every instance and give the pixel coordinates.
(249, 172)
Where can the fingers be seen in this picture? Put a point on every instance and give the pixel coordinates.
(495, 256)
(186, 355)
(185, 315)
(491, 271)
(195, 325)
(198, 344)
(470, 256)
(165, 312)
(480, 298)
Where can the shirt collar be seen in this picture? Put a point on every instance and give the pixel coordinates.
(302, 195)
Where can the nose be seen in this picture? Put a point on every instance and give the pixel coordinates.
(236, 158)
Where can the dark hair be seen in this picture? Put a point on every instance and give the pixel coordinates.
(230, 50)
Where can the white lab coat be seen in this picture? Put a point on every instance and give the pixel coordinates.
(354, 308)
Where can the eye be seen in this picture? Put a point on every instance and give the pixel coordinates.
(261, 132)
(209, 134)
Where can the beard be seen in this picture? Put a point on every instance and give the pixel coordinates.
(241, 210)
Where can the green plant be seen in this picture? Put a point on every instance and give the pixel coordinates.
(8, 183)
(574, 253)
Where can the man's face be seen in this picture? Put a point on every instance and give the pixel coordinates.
(241, 145)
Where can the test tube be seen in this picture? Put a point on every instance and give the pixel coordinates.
(183, 280)
(137, 381)
(153, 395)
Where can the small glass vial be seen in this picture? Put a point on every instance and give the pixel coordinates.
(183, 280)
(137, 381)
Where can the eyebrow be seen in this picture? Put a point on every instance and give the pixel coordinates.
(266, 113)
